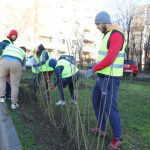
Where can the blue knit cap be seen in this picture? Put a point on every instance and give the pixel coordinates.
(52, 63)
(103, 17)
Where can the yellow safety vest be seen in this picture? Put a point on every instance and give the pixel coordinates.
(115, 69)
(45, 67)
(34, 70)
(7, 39)
(69, 68)
(14, 51)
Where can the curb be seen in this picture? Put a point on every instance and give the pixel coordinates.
(8, 136)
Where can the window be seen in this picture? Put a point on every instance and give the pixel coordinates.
(62, 41)
(45, 38)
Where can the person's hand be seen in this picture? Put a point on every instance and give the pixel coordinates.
(52, 86)
(36, 65)
(38, 68)
(88, 73)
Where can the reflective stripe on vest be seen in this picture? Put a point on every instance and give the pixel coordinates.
(34, 70)
(115, 69)
(14, 51)
(45, 67)
(69, 68)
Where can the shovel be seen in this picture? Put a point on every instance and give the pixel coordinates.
(47, 90)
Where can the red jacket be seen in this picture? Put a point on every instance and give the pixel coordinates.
(113, 51)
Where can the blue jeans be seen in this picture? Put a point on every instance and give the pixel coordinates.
(70, 81)
(34, 81)
(104, 99)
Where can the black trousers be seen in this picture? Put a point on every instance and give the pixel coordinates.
(70, 81)
(8, 90)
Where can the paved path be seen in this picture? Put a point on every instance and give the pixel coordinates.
(8, 136)
(144, 75)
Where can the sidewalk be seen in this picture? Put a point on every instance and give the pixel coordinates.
(8, 136)
(144, 75)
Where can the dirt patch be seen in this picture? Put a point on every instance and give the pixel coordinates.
(46, 135)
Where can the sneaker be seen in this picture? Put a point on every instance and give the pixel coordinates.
(98, 131)
(60, 103)
(114, 144)
(73, 101)
(8, 98)
(14, 105)
(2, 99)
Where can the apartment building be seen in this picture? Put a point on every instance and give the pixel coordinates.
(65, 27)
(139, 42)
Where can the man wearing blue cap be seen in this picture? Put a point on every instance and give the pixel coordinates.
(109, 69)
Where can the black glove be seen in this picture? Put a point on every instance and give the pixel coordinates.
(36, 65)
(88, 73)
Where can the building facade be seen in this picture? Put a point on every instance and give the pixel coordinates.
(65, 27)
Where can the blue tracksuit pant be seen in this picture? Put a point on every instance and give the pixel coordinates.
(70, 81)
(105, 103)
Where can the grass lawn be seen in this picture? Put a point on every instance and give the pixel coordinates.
(76, 120)
(134, 105)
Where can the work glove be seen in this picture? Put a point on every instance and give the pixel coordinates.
(38, 68)
(36, 65)
(88, 73)
(52, 86)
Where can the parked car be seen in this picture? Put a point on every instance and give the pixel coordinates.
(130, 68)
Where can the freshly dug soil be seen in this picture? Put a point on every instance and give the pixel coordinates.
(47, 137)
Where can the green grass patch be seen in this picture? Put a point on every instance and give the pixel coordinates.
(133, 103)
(24, 129)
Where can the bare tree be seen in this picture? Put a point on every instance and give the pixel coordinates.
(77, 44)
(135, 21)
(147, 52)
(123, 11)
(19, 19)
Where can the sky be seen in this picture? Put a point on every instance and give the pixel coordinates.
(95, 4)
(107, 5)
(141, 2)
(24, 3)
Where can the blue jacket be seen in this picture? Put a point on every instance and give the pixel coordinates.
(2, 46)
(58, 71)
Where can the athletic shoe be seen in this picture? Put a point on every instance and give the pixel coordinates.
(2, 99)
(60, 103)
(114, 144)
(14, 105)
